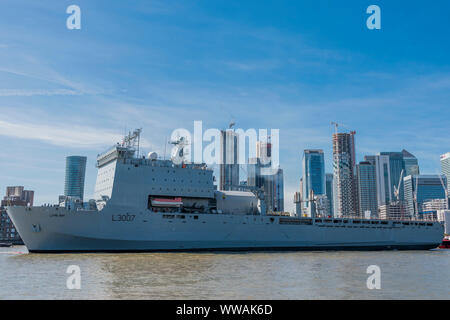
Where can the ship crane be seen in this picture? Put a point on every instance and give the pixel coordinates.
(313, 204)
(180, 150)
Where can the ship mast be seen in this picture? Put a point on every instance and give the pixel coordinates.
(132, 140)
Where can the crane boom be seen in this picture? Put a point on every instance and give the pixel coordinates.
(445, 191)
(397, 188)
(336, 125)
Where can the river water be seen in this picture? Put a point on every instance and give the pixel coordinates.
(271, 275)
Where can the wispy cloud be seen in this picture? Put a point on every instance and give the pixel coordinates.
(60, 134)
(36, 92)
(45, 79)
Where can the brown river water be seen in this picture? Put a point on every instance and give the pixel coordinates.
(261, 275)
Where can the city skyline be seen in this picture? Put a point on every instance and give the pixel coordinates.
(294, 67)
(384, 155)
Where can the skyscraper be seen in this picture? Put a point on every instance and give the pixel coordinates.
(426, 187)
(254, 177)
(411, 164)
(329, 193)
(445, 169)
(313, 173)
(229, 166)
(273, 184)
(383, 178)
(399, 161)
(274, 191)
(367, 188)
(344, 180)
(264, 150)
(75, 174)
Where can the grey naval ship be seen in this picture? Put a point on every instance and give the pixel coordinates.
(151, 204)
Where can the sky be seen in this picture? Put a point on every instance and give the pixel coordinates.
(160, 65)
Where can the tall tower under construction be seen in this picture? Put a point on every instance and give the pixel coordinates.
(344, 174)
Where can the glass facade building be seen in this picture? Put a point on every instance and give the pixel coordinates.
(313, 173)
(329, 188)
(445, 167)
(383, 178)
(75, 175)
(273, 184)
(367, 188)
(427, 187)
(399, 161)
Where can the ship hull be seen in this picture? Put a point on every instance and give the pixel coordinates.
(116, 229)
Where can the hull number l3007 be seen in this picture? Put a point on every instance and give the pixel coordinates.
(123, 217)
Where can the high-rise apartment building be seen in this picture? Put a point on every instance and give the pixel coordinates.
(15, 196)
(18, 196)
(329, 192)
(75, 175)
(367, 188)
(229, 157)
(272, 184)
(274, 191)
(344, 171)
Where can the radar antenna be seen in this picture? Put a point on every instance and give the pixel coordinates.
(132, 140)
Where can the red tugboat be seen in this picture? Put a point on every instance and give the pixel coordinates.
(445, 243)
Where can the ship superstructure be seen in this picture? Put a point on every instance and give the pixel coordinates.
(143, 203)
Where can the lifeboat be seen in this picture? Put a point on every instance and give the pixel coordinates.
(164, 202)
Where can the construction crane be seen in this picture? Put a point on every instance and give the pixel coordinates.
(445, 191)
(336, 125)
(397, 188)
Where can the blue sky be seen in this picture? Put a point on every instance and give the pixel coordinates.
(160, 65)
